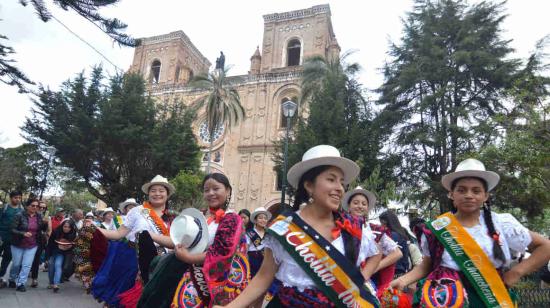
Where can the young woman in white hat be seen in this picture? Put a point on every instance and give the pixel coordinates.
(217, 275)
(108, 222)
(312, 255)
(254, 239)
(146, 227)
(360, 203)
(470, 247)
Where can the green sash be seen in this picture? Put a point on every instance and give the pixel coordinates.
(472, 261)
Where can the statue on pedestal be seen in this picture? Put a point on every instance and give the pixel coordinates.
(220, 62)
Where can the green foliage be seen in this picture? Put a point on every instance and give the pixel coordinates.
(11, 75)
(447, 77)
(188, 190)
(384, 190)
(221, 102)
(89, 10)
(522, 154)
(21, 168)
(339, 115)
(113, 137)
(72, 200)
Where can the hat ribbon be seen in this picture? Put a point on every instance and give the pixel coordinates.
(199, 234)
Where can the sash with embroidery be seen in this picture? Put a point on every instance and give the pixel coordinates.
(332, 272)
(472, 261)
(151, 216)
(254, 238)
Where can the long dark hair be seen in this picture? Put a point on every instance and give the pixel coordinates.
(488, 218)
(416, 225)
(220, 178)
(301, 194)
(58, 232)
(392, 222)
(249, 225)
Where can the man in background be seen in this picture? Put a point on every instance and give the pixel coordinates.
(7, 214)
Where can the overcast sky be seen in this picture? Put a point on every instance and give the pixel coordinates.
(49, 54)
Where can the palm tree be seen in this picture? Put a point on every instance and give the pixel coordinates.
(221, 101)
(320, 72)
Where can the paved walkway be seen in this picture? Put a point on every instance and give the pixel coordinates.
(70, 295)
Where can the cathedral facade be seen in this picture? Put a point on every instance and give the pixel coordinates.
(244, 152)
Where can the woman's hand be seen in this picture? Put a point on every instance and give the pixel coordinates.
(511, 277)
(182, 253)
(398, 284)
(27, 234)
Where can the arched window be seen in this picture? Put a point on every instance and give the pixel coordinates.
(293, 50)
(283, 118)
(154, 75)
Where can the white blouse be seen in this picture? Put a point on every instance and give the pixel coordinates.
(251, 246)
(387, 244)
(513, 237)
(137, 221)
(292, 275)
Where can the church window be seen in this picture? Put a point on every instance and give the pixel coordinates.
(154, 75)
(293, 51)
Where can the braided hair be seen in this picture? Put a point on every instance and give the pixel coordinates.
(488, 218)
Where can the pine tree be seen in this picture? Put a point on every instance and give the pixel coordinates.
(89, 10)
(113, 137)
(446, 77)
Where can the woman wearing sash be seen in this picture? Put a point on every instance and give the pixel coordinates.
(254, 238)
(360, 203)
(109, 219)
(312, 255)
(146, 226)
(218, 275)
(467, 253)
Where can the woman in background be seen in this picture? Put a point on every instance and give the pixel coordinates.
(61, 242)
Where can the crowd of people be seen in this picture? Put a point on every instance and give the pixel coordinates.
(325, 252)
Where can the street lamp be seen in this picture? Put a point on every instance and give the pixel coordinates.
(289, 108)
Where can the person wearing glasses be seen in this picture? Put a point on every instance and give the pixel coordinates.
(26, 232)
(43, 240)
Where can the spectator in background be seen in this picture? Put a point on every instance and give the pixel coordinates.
(127, 205)
(245, 216)
(43, 240)
(415, 225)
(26, 229)
(58, 218)
(78, 218)
(402, 238)
(60, 244)
(7, 214)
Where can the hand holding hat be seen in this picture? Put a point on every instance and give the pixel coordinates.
(190, 230)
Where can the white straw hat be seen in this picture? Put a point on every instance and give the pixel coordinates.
(471, 168)
(191, 230)
(371, 198)
(127, 202)
(319, 156)
(159, 180)
(107, 210)
(258, 211)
